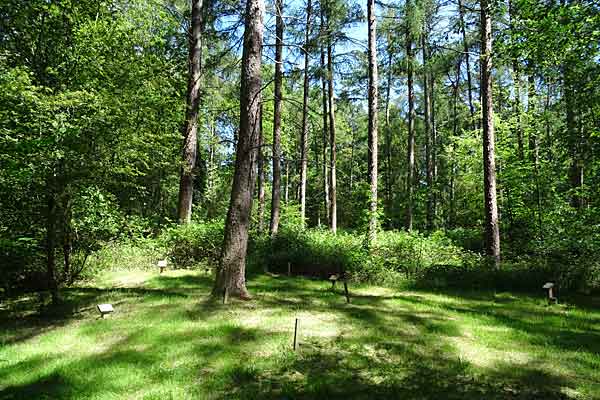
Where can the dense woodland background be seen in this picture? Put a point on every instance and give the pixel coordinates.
(93, 116)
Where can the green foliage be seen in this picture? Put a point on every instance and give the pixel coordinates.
(394, 258)
(190, 245)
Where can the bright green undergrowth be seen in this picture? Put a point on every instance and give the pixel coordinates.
(168, 340)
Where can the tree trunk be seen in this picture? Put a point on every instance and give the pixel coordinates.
(410, 175)
(463, 31)
(517, 85)
(332, 149)
(190, 140)
(51, 221)
(67, 234)
(286, 195)
(304, 137)
(428, 135)
(261, 174)
(454, 168)
(373, 137)
(434, 153)
(232, 267)
(388, 133)
(492, 230)
(276, 189)
(323, 34)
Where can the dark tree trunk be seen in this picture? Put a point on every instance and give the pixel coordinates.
(373, 137)
(410, 175)
(492, 230)
(67, 233)
(574, 139)
(276, 189)
(51, 222)
(231, 274)
(304, 137)
(261, 174)
(190, 140)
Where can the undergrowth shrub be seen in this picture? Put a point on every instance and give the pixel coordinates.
(125, 255)
(193, 244)
(396, 256)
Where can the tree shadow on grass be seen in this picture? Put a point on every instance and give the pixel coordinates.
(33, 318)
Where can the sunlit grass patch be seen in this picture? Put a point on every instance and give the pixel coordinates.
(168, 339)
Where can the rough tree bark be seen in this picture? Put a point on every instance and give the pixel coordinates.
(276, 188)
(492, 230)
(190, 139)
(304, 137)
(373, 137)
(232, 266)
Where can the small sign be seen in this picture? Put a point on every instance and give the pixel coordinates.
(162, 263)
(548, 285)
(105, 309)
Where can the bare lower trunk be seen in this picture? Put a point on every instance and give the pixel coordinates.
(373, 137)
(51, 222)
(190, 140)
(304, 137)
(388, 133)
(410, 175)
(492, 229)
(286, 196)
(231, 274)
(67, 235)
(332, 149)
(261, 175)
(428, 135)
(276, 189)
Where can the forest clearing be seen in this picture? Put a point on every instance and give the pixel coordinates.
(167, 339)
(300, 199)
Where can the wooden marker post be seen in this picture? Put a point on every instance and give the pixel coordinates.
(346, 291)
(289, 269)
(225, 295)
(295, 333)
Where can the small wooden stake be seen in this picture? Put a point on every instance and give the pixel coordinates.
(346, 291)
(289, 269)
(225, 295)
(295, 333)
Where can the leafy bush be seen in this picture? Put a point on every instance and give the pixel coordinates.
(471, 239)
(125, 255)
(192, 244)
(395, 257)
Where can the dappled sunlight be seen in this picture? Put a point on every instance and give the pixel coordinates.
(168, 337)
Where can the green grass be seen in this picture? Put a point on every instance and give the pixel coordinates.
(168, 340)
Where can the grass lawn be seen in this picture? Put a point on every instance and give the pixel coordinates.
(167, 340)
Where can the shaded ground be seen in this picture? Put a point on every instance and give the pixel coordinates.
(166, 339)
